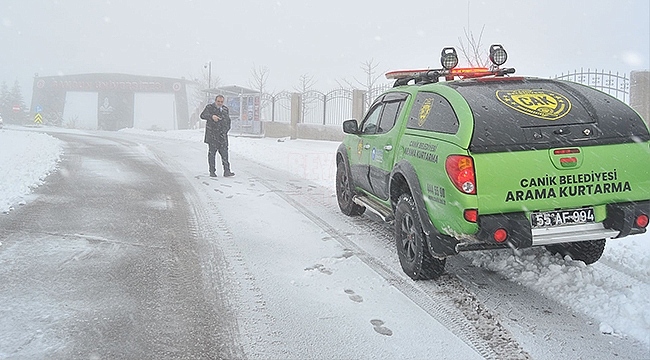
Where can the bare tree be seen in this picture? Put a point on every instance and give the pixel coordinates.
(306, 83)
(370, 84)
(473, 51)
(198, 95)
(260, 76)
(206, 81)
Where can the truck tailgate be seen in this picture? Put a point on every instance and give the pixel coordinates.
(566, 177)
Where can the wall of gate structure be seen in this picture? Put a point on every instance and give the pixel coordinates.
(115, 94)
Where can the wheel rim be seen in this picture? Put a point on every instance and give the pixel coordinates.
(344, 187)
(408, 237)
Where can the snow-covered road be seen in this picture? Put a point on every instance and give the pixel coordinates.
(317, 284)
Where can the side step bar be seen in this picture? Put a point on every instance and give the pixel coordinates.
(374, 206)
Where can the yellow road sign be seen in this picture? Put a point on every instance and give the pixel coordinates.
(38, 118)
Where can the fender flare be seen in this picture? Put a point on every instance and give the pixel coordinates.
(440, 245)
(343, 151)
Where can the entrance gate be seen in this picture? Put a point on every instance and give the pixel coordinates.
(115, 97)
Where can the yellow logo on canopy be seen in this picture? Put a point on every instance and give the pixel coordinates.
(424, 111)
(543, 104)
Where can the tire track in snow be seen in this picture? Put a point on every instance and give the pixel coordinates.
(223, 256)
(446, 300)
(623, 272)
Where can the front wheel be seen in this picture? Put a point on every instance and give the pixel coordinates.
(587, 251)
(345, 192)
(414, 256)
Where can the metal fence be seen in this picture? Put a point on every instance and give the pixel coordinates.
(330, 108)
(276, 107)
(326, 108)
(615, 84)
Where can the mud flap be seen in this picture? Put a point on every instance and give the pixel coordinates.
(622, 217)
(516, 224)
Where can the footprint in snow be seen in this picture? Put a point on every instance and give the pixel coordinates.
(378, 326)
(353, 296)
(320, 268)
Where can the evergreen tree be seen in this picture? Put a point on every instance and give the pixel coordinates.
(5, 102)
(16, 99)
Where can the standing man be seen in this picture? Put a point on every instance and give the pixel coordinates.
(216, 134)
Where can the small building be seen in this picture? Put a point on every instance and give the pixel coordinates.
(244, 105)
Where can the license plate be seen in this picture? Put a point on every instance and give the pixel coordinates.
(562, 217)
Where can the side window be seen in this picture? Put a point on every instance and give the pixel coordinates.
(390, 115)
(434, 113)
(371, 121)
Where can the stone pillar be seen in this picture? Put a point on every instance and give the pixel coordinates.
(295, 114)
(182, 109)
(358, 104)
(640, 93)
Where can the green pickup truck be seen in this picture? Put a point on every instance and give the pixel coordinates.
(464, 159)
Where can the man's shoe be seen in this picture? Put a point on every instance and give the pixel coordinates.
(213, 174)
(228, 174)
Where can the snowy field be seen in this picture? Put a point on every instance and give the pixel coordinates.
(621, 307)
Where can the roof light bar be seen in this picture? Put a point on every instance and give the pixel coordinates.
(449, 71)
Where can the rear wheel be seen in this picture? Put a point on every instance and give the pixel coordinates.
(345, 192)
(587, 251)
(414, 255)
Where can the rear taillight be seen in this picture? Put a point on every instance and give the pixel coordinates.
(642, 221)
(460, 169)
(471, 215)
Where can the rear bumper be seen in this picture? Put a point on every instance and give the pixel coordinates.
(573, 233)
(620, 222)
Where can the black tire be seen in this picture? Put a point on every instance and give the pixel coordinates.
(345, 192)
(586, 251)
(412, 249)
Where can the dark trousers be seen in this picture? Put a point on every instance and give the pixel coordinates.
(222, 148)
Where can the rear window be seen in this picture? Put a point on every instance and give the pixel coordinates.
(432, 112)
(526, 114)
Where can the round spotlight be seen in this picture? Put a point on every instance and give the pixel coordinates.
(448, 58)
(498, 55)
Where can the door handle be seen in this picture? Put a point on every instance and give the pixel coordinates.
(388, 147)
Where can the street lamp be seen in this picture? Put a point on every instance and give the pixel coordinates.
(209, 67)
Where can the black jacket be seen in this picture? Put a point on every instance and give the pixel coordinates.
(216, 132)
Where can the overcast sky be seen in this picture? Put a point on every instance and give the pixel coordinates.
(328, 40)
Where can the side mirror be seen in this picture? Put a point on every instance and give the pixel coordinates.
(350, 126)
